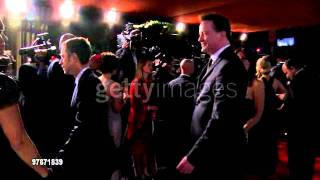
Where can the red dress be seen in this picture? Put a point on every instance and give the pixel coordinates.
(140, 128)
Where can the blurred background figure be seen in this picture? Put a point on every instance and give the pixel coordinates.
(263, 127)
(7, 61)
(243, 57)
(55, 70)
(4, 60)
(303, 119)
(108, 66)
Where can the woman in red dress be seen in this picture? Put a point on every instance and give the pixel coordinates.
(140, 125)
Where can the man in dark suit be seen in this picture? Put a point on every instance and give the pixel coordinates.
(303, 119)
(177, 108)
(59, 93)
(217, 121)
(89, 143)
(182, 92)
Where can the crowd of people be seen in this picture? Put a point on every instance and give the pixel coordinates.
(124, 115)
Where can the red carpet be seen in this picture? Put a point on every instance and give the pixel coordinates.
(282, 170)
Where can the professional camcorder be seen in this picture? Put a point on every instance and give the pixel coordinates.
(41, 49)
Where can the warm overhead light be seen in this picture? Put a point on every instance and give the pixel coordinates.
(17, 10)
(243, 37)
(67, 9)
(180, 27)
(16, 7)
(111, 16)
(258, 50)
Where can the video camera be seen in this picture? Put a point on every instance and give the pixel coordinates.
(124, 36)
(41, 49)
(160, 55)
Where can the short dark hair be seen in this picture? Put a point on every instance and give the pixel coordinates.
(220, 22)
(293, 63)
(81, 47)
(109, 62)
(240, 49)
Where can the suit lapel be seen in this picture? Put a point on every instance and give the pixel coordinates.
(76, 89)
(202, 73)
(221, 56)
(208, 72)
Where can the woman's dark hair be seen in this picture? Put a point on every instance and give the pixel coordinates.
(109, 62)
(293, 63)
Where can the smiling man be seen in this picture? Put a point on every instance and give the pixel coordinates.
(217, 120)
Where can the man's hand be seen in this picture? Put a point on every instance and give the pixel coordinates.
(125, 45)
(185, 167)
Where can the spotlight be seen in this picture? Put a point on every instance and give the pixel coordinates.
(180, 27)
(111, 16)
(16, 7)
(243, 37)
(67, 9)
(259, 50)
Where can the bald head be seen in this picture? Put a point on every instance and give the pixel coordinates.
(187, 67)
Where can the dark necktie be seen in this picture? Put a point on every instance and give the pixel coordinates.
(209, 64)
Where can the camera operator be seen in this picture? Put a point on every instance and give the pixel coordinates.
(39, 54)
(128, 55)
(6, 59)
(124, 35)
(162, 75)
(163, 69)
(34, 88)
(40, 95)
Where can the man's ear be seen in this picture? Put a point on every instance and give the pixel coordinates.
(74, 56)
(223, 34)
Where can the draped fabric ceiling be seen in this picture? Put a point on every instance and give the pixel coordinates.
(245, 15)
